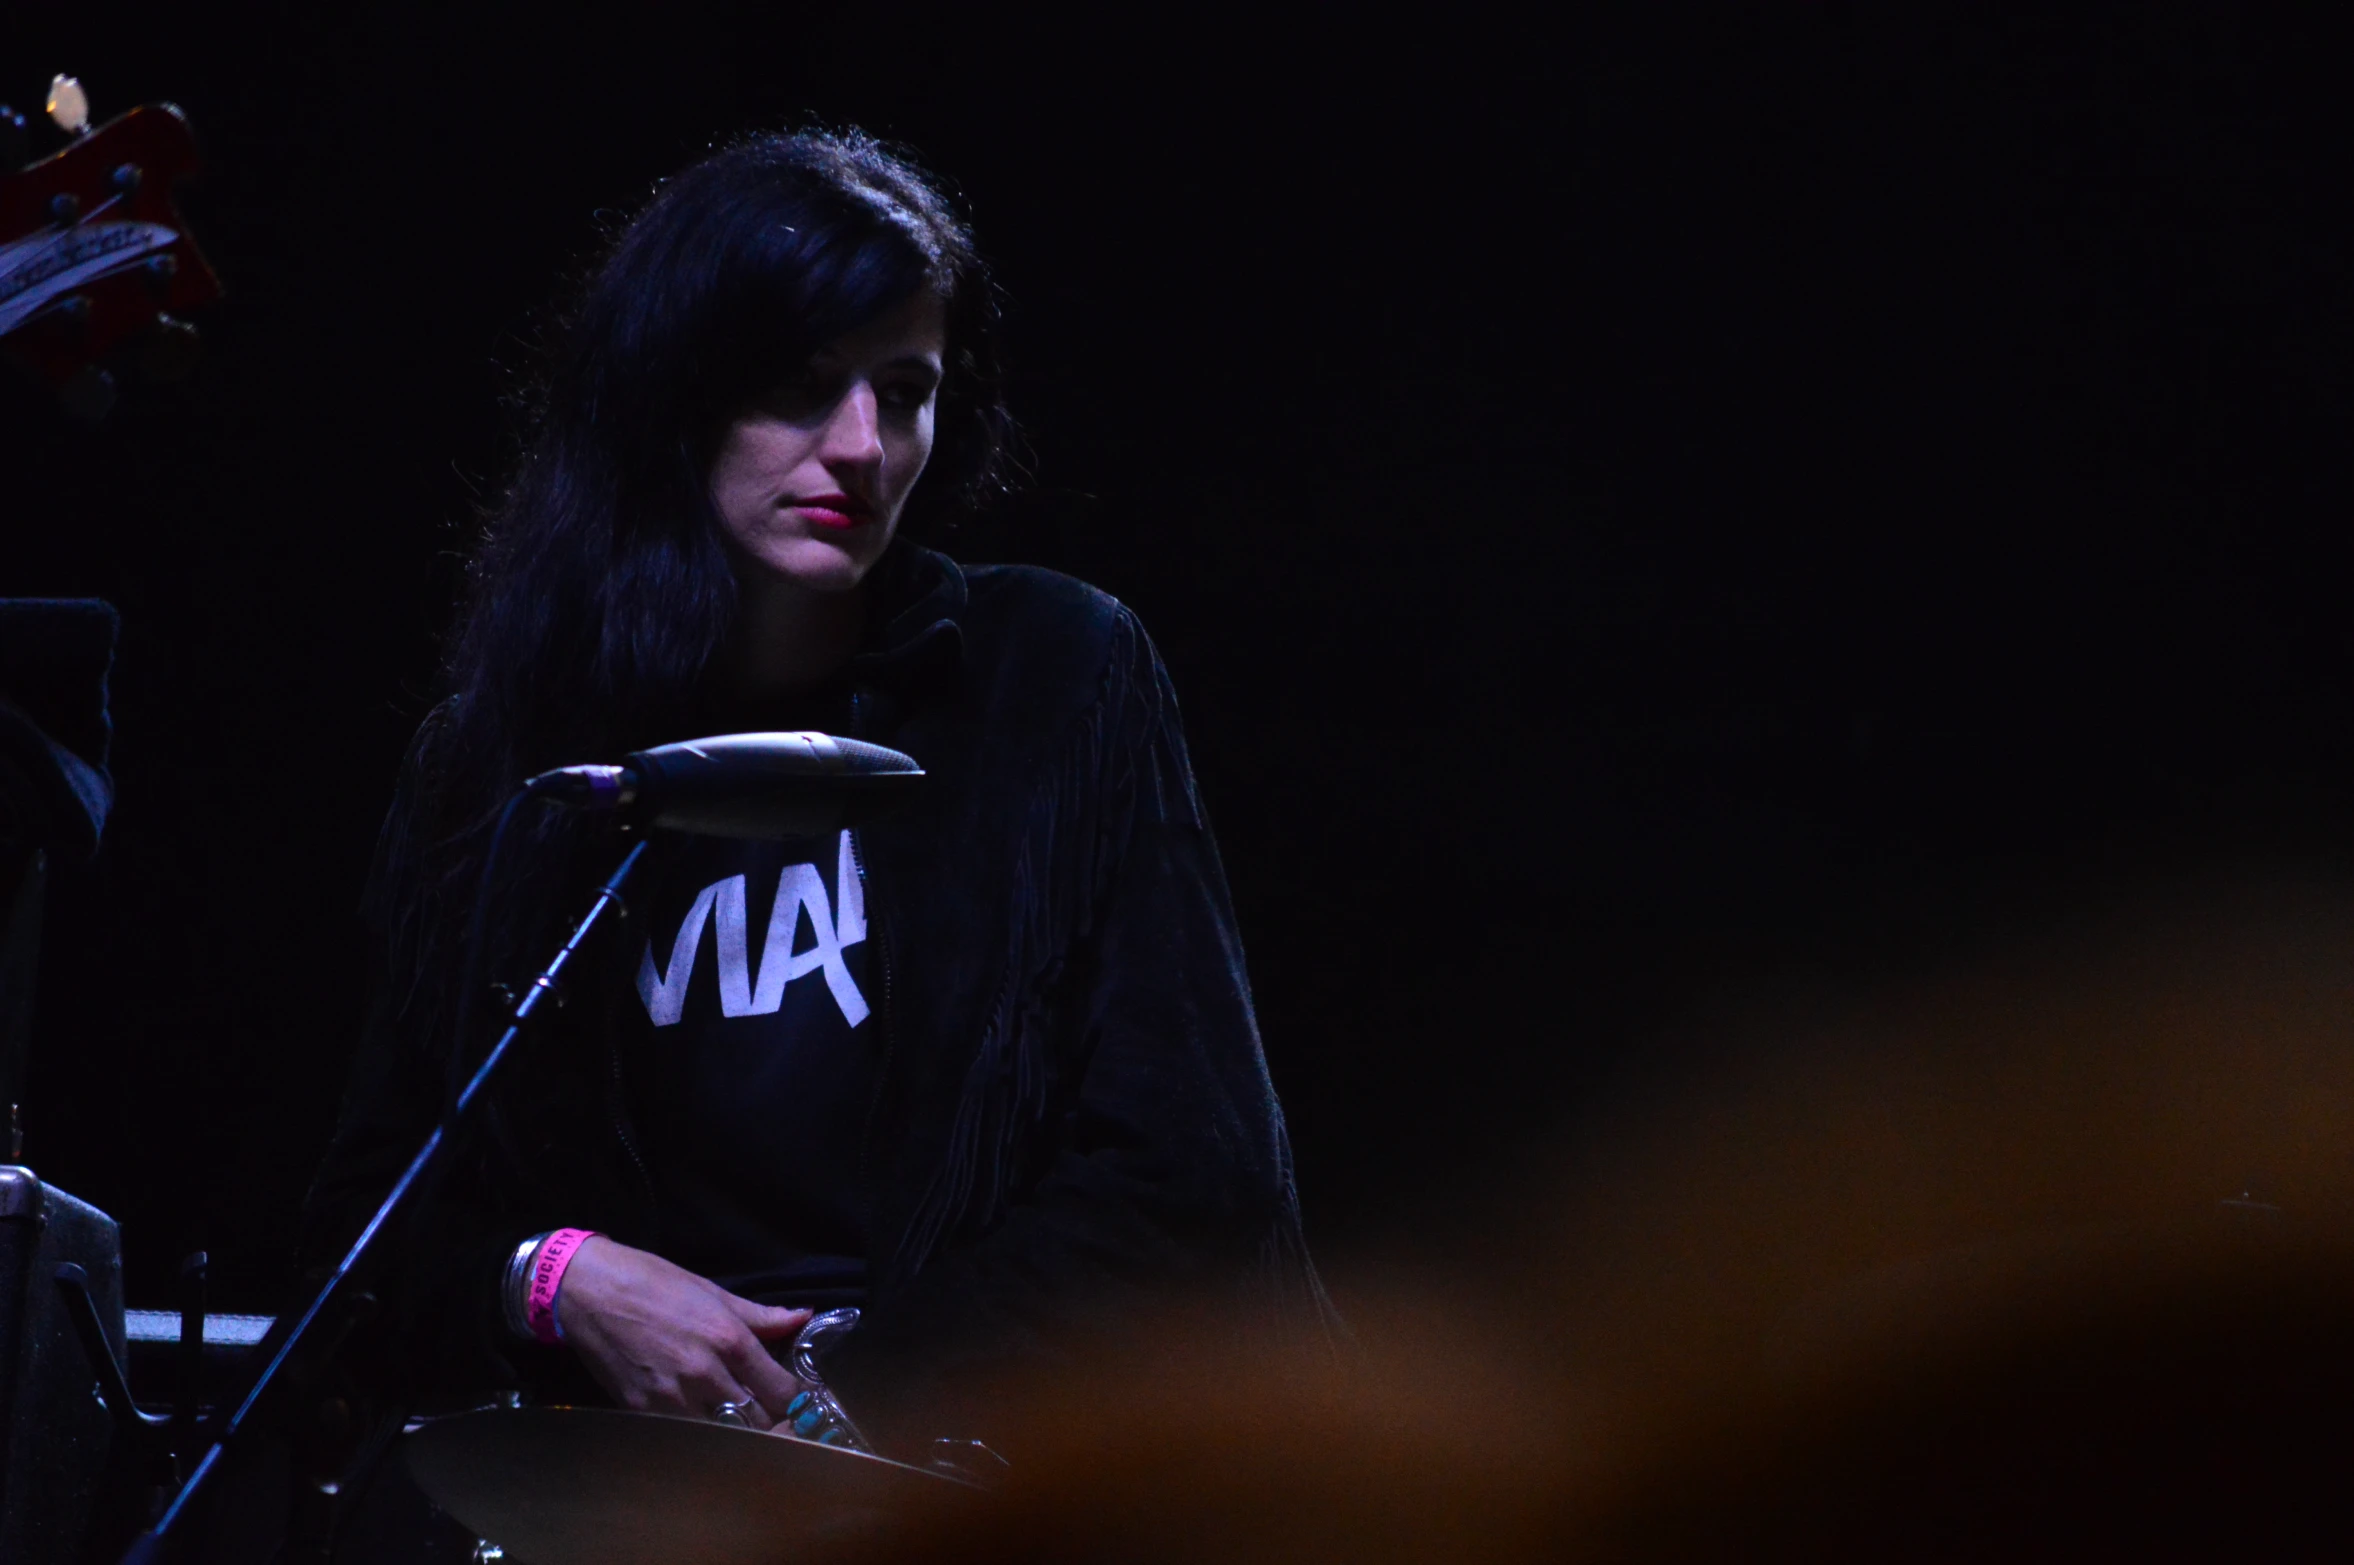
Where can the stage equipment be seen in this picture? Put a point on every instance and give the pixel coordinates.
(196, 1372)
(59, 1444)
(58, 1440)
(786, 791)
(741, 785)
(594, 1486)
(55, 792)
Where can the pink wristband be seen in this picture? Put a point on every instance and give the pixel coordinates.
(547, 1275)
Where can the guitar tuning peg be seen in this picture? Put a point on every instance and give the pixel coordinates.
(16, 140)
(69, 105)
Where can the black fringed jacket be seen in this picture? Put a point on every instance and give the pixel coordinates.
(1075, 1123)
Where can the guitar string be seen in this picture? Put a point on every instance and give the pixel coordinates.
(65, 234)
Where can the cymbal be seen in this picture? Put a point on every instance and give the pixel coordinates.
(598, 1486)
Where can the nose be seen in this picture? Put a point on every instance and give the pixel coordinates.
(854, 432)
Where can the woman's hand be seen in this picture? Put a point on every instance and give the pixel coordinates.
(663, 1340)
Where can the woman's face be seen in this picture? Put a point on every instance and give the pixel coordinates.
(810, 481)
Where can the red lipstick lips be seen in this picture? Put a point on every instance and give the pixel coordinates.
(834, 512)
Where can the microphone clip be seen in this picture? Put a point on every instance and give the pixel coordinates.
(597, 788)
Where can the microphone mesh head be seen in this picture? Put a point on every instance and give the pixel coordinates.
(873, 759)
(769, 785)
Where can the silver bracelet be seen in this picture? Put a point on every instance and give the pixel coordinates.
(515, 1287)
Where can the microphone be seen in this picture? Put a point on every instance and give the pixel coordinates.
(742, 785)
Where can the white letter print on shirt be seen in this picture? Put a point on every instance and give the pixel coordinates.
(838, 923)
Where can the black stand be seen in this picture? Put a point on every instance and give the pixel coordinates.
(329, 1316)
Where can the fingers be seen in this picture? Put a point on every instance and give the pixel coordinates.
(769, 1382)
(701, 1396)
(763, 1376)
(768, 1321)
(660, 1338)
(753, 1412)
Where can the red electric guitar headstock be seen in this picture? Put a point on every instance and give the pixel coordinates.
(96, 268)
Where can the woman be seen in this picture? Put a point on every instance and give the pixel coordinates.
(988, 1069)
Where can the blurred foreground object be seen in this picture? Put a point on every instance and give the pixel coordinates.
(2048, 1254)
(2157, 1394)
(1956, 1268)
(1436, 1446)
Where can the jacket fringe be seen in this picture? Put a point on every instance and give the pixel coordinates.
(1055, 886)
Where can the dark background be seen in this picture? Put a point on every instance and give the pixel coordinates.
(1633, 510)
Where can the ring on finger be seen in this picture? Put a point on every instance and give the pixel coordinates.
(732, 1414)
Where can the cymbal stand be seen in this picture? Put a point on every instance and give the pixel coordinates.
(325, 1322)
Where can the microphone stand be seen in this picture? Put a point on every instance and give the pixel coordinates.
(328, 1315)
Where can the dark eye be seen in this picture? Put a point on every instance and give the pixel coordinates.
(804, 393)
(905, 396)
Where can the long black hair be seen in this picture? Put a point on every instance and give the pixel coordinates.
(600, 594)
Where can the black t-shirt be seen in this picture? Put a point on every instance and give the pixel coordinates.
(754, 1062)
